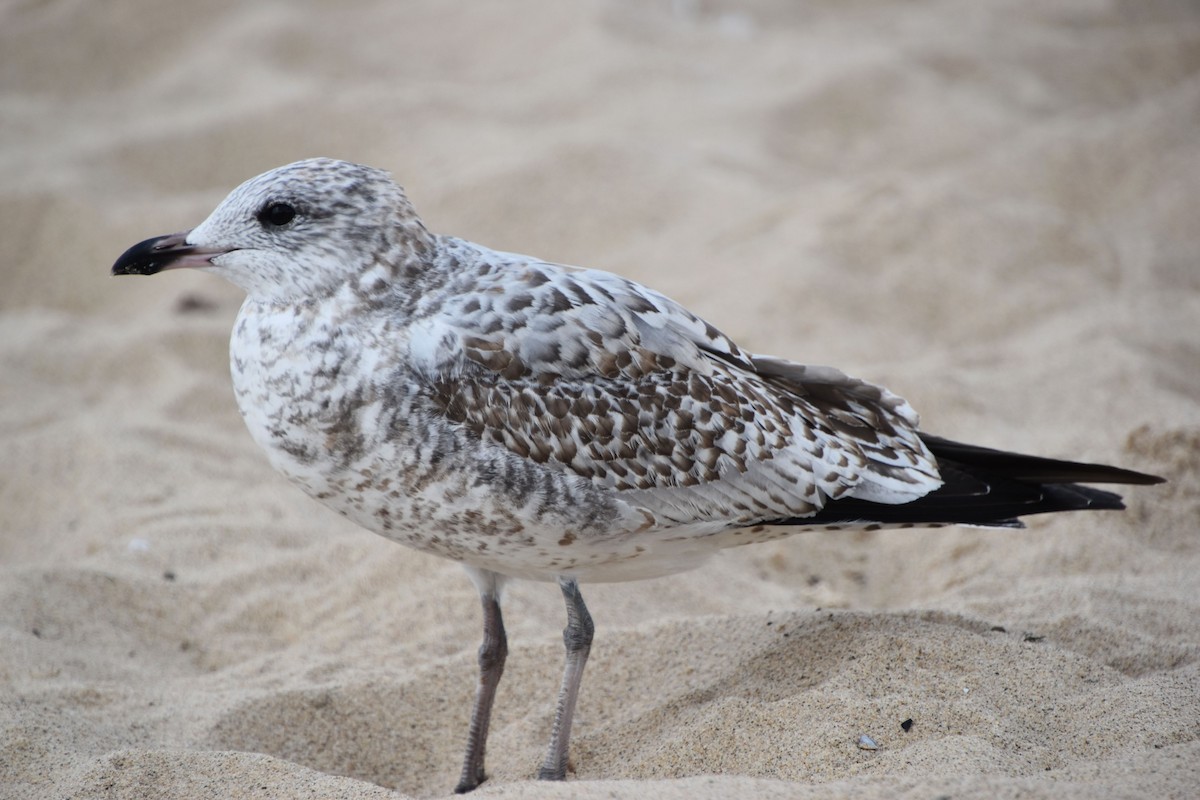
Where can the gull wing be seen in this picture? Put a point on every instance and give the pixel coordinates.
(592, 374)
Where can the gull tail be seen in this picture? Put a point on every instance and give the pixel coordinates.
(988, 488)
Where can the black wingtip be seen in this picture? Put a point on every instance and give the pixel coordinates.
(1035, 469)
(987, 488)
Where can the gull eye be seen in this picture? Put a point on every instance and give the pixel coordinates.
(277, 215)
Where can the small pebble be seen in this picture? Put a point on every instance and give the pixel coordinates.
(194, 303)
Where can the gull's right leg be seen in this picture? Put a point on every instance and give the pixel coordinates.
(577, 637)
(492, 653)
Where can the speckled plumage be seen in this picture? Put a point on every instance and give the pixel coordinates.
(539, 421)
(520, 416)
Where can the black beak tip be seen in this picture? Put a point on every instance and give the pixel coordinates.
(134, 269)
(144, 258)
(156, 254)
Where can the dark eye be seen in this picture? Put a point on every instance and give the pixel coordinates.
(277, 214)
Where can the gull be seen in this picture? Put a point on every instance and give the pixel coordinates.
(544, 422)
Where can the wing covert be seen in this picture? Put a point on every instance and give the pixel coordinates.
(590, 373)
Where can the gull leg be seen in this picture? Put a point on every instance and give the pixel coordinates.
(577, 637)
(492, 653)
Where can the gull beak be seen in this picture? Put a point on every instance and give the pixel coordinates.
(164, 252)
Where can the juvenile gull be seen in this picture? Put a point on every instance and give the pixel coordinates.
(532, 420)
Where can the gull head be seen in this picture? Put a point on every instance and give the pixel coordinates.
(303, 230)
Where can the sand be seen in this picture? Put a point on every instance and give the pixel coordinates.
(989, 207)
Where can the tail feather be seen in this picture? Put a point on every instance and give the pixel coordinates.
(990, 488)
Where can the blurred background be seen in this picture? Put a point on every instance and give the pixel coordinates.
(832, 154)
(990, 207)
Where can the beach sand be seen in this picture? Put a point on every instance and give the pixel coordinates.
(990, 208)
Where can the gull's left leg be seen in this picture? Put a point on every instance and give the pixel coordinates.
(577, 637)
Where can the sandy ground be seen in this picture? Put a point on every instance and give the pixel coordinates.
(990, 207)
